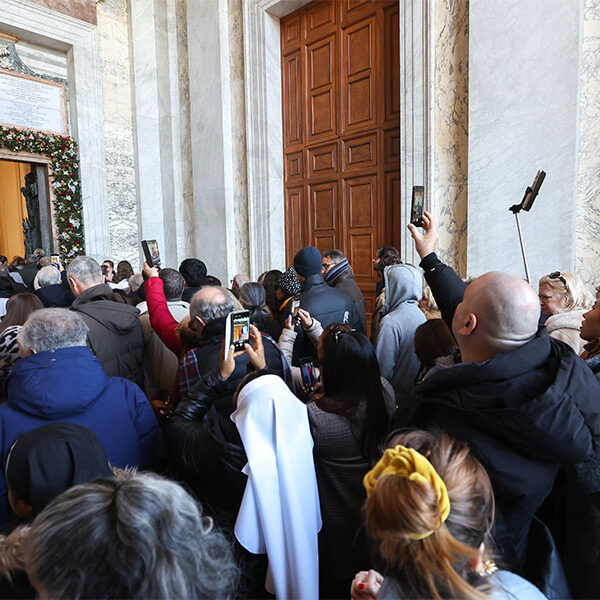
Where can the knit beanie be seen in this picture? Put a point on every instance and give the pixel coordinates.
(308, 261)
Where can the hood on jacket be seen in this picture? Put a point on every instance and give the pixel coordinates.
(99, 304)
(570, 319)
(529, 397)
(403, 283)
(56, 384)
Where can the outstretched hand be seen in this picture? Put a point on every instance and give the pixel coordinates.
(305, 318)
(426, 242)
(149, 271)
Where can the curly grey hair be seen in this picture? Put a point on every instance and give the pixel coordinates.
(128, 536)
(51, 329)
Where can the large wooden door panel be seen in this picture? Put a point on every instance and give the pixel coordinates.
(341, 112)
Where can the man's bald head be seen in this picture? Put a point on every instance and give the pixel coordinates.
(210, 303)
(499, 312)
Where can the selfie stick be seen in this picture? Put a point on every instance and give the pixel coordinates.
(526, 204)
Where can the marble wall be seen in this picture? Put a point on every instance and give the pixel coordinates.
(523, 116)
(119, 163)
(450, 129)
(587, 231)
(238, 135)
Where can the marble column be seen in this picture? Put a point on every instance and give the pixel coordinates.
(161, 127)
(587, 239)
(523, 116)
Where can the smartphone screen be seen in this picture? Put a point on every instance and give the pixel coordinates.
(151, 253)
(294, 311)
(240, 329)
(54, 259)
(416, 213)
(307, 370)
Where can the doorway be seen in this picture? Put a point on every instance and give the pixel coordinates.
(13, 209)
(25, 212)
(341, 131)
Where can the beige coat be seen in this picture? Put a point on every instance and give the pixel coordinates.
(565, 327)
(160, 364)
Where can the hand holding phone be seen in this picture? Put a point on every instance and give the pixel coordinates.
(294, 311)
(418, 203)
(307, 371)
(237, 329)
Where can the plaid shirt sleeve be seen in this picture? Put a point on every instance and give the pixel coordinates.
(188, 374)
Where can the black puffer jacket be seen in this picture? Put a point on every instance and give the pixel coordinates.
(346, 283)
(523, 412)
(206, 358)
(115, 332)
(208, 452)
(327, 305)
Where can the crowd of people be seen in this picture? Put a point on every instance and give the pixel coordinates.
(453, 453)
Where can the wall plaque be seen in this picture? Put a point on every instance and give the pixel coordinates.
(31, 103)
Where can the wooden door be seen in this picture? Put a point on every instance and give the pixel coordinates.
(341, 130)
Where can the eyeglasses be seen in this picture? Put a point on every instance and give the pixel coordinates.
(557, 275)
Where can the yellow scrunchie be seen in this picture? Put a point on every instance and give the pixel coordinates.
(408, 463)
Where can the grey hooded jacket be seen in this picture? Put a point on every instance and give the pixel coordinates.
(401, 316)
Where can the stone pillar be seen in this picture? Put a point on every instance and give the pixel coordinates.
(212, 141)
(523, 116)
(160, 127)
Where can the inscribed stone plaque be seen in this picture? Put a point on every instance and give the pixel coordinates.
(31, 103)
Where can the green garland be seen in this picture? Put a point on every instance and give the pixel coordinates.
(62, 150)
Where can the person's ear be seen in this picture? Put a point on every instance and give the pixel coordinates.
(468, 325)
(73, 285)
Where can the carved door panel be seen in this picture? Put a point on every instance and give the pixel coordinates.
(340, 68)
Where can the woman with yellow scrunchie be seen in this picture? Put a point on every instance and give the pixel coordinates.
(429, 511)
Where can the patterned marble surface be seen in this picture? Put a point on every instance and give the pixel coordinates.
(238, 133)
(451, 115)
(587, 231)
(113, 42)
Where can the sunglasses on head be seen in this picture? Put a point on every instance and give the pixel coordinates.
(557, 275)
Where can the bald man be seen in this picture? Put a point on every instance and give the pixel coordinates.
(523, 401)
(209, 308)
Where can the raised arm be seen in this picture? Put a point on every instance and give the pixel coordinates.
(446, 286)
(161, 319)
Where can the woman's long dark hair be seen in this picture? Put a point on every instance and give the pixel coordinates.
(124, 271)
(18, 309)
(269, 282)
(350, 374)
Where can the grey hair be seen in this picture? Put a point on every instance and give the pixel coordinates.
(85, 270)
(32, 259)
(51, 329)
(135, 282)
(211, 303)
(128, 536)
(46, 276)
(335, 255)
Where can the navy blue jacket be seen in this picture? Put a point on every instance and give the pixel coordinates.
(70, 385)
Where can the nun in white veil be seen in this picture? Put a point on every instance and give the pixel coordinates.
(280, 512)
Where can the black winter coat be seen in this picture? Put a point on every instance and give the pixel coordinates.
(523, 412)
(346, 283)
(115, 332)
(208, 359)
(327, 305)
(208, 452)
